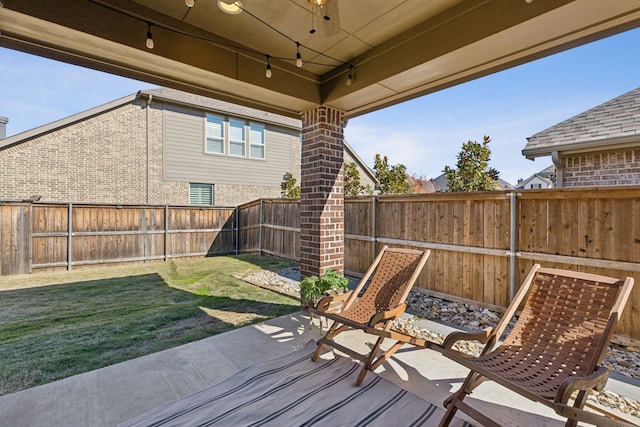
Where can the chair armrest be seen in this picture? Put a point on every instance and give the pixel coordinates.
(324, 304)
(482, 336)
(596, 381)
(381, 316)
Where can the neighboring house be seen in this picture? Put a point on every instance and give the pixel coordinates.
(440, 183)
(367, 176)
(421, 185)
(598, 147)
(543, 179)
(158, 146)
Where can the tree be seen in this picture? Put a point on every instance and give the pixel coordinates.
(472, 171)
(289, 188)
(352, 186)
(393, 179)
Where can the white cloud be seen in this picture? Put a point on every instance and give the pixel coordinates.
(399, 145)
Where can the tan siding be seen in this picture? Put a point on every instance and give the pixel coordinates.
(185, 160)
(183, 132)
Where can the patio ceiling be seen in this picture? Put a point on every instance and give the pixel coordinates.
(400, 49)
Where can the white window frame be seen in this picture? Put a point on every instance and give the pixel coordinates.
(255, 127)
(237, 142)
(200, 187)
(229, 127)
(223, 124)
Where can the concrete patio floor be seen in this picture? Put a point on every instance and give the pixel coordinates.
(113, 394)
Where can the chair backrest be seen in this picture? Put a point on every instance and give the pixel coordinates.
(568, 319)
(395, 274)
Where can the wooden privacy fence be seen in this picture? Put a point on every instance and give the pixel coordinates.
(44, 235)
(270, 226)
(483, 243)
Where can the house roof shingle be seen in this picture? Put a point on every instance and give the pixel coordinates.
(615, 122)
(441, 184)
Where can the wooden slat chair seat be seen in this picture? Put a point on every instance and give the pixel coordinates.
(396, 270)
(555, 348)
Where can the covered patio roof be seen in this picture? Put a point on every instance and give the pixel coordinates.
(395, 50)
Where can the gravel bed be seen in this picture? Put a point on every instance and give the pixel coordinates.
(625, 361)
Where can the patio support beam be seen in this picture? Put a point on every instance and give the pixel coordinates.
(322, 193)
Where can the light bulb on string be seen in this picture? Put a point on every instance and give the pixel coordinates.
(190, 3)
(268, 71)
(149, 41)
(350, 78)
(298, 56)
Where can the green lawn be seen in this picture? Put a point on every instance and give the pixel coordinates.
(59, 324)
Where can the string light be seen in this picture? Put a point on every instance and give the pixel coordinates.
(268, 71)
(149, 41)
(298, 56)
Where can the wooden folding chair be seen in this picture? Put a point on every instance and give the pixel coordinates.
(396, 270)
(555, 348)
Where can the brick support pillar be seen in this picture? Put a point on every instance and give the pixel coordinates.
(322, 193)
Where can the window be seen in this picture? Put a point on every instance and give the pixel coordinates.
(215, 134)
(231, 136)
(256, 141)
(236, 137)
(201, 194)
(536, 186)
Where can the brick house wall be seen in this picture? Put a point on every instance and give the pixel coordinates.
(102, 159)
(234, 195)
(115, 157)
(603, 168)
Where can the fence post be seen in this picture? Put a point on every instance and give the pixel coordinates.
(260, 234)
(237, 225)
(69, 236)
(513, 245)
(166, 232)
(374, 203)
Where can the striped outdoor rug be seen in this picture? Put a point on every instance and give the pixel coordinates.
(294, 391)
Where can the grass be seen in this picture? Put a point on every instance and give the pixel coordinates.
(59, 324)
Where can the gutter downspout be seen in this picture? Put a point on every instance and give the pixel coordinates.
(557, 162)
(148, 113)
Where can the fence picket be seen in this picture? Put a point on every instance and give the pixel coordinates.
(591, 230)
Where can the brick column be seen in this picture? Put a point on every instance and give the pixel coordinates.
(322, 194)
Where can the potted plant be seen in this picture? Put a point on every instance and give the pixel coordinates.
(313, 288)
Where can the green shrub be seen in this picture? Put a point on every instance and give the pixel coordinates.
(313, 287)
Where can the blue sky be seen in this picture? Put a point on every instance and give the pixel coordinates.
(425, 134)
